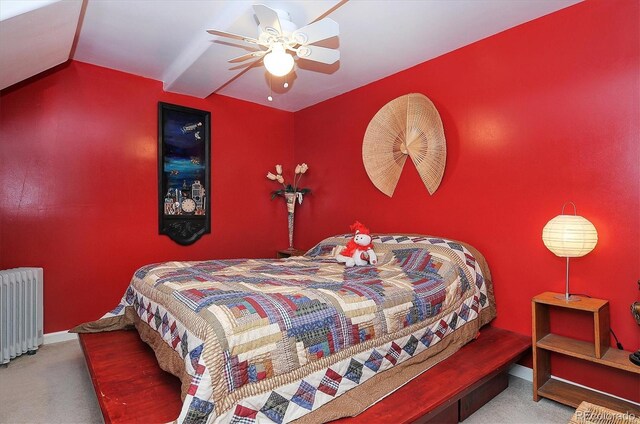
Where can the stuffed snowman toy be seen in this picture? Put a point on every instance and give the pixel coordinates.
(359, 250)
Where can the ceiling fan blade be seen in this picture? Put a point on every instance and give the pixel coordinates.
(246, 65)
(317, 31)
(318, 54)
(234, 36)
(247, 56)
(268, 19)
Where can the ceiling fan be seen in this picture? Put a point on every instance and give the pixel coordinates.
(280, 38)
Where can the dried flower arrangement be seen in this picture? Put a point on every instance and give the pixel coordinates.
(289, 188)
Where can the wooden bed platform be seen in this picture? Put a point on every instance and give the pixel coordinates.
(447, 393)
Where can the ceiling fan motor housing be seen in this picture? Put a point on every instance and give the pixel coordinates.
(285, 24)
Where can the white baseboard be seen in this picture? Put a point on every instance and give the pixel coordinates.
(59, 336)
(526, 373)
(521, 372)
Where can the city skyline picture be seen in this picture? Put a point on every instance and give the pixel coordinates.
(184, 163)
(183, 172)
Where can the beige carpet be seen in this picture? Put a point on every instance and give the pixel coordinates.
(53, 386)
(515, 405)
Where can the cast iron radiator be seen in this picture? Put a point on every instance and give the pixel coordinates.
(20, 312)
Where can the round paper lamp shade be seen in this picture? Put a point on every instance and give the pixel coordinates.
(569, 236)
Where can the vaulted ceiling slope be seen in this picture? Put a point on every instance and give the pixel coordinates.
(35, 36)
(167, 40)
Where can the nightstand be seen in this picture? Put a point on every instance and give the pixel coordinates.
(544, 342)
(285, 253)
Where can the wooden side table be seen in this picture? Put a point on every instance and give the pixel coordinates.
(286, 253)
(544, 342)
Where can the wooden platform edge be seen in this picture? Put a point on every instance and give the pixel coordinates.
(94, 380)
(459, 375)
(127, 379)
(499, 372)
(481, 365)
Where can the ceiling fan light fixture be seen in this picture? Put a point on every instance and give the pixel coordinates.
(278, 62)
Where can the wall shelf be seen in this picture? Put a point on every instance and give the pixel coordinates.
(287, 253)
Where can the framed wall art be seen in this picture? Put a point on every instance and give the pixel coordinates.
(184, 201)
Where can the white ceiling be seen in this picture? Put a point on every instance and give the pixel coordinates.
(167, 40)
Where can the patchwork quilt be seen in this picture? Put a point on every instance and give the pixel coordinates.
(272, 340)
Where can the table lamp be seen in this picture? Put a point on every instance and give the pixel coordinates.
(569, 236)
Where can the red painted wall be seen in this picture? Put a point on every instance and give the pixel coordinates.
(535, 116)
(78, 184)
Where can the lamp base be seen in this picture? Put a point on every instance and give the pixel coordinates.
(570, 298)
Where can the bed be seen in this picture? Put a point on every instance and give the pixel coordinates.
(276, 340)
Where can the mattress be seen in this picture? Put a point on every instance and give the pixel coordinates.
(274, 340)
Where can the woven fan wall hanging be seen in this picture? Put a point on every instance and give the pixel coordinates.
(409, 125)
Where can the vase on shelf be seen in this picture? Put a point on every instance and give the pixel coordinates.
(291, 193)
(291, 208)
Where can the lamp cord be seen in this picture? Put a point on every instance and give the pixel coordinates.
(618, 344)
